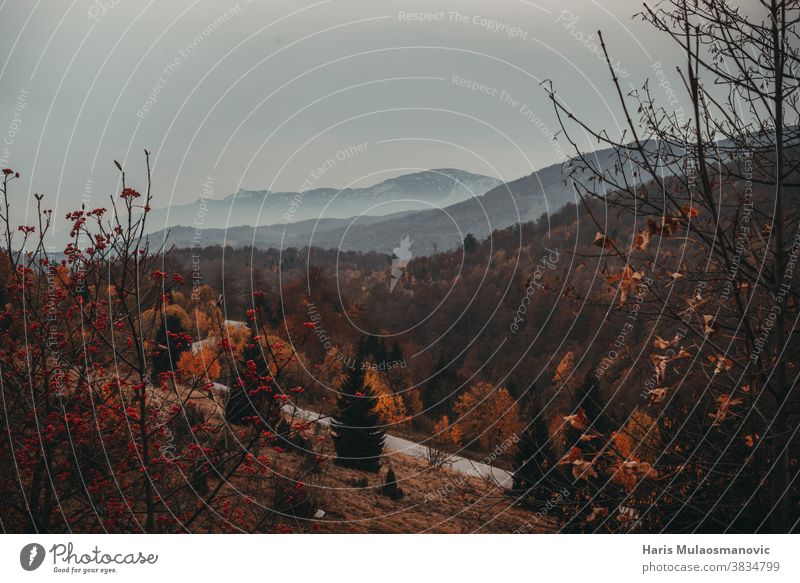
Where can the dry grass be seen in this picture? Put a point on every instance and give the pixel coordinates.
(435, 500)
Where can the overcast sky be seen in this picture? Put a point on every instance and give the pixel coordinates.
(259, 95)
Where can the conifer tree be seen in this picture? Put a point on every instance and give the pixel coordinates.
(172, 340)
(396, 355)
(533, 460)
(470, 243)
(440, 392)
(250, 385)
(356, 434)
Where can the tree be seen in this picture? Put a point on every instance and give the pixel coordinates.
(444, 438)
(709, 184)
(442, 389)
(356, 428)
(252, 383)
(470, 243)
(390, 407)
(488, 414)
(533, 463)
(591, 453)
(78, 399)
(171, 340)
(396, 354)
(198, 367)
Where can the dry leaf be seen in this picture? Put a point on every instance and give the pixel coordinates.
(642, 240)
(583, 470)
(708, 328)
(690, 211)
(660, 343)
(660, 365)
(725, 403)
(597, 513)
(603, 241)
(572, 455)
(638, 469)
(724, 364)
(577, 421)
(657, 395)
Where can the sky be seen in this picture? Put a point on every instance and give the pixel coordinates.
(285, 95)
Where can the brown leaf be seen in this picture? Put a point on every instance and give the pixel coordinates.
(638, 469)
(583, 470)
(642, 240)
(601, 240)
(690, 211)
(660, 343)
(597, 513)
(657, 395)
(708, 325)
(660, 365)
(577, 421)
(572, 455)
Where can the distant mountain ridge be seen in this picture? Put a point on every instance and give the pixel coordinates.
(409, 192)
(432, 229)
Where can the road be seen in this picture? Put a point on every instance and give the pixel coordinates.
(406, 447)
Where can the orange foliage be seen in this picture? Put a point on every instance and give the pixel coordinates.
(199, 366)
(488, 414)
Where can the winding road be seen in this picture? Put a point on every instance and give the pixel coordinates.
(400, 445)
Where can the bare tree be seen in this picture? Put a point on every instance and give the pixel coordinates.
(711, 193)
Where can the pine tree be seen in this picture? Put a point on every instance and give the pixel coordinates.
(513, 389)
(172, 340)
(590, 399)
(441, 390)
(376, 347)
(356, 434)
(533, 461)
(470, 243)
(396, 355)
(251, 384)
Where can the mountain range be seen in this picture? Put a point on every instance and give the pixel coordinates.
(411, 192)
(436, 209)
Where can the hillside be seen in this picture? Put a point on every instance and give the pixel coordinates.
(409, 192)
(440, 228)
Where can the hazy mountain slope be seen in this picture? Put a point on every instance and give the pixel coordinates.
(409, 192)
(522, 200)
(441, 228)
(268, 236)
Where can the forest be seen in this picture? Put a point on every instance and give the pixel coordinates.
(628, 361)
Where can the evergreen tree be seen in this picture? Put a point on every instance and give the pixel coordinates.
(396, 355)
(590, 399)
(440, 392)
(470, 243)
(513, 389)
(171, 339)
(252, 383)
(376, 347)
(390, 489)
(356, 434)
(533, 460)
